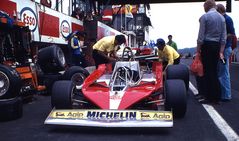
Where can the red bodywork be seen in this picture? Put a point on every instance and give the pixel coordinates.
(99, 93)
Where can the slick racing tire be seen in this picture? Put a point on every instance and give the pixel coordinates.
(49, 79)
(62, 94)
(10, 109)
(175, 97)
(51, 59)
(76, 74)
(179, 71)
(10, 82)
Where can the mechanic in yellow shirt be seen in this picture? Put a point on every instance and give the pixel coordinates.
(104, 51)
(167, 54)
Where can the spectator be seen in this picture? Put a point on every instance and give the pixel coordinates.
(171, 42)
(76, 44)
(78, 14)
(167, 53)
(224, 74)
(104, 51)
(211, 43)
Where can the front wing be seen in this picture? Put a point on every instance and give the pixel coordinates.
(111, 118)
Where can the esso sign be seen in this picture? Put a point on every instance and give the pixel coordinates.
(28, 16)
(65, 28)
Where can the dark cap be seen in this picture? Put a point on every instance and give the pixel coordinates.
(160, 42)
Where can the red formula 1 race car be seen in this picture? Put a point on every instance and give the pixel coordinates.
(126, 95)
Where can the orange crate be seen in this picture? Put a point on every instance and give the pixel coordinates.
(26, 75)
(23, 69)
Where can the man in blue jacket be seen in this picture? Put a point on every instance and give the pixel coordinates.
(224, 74)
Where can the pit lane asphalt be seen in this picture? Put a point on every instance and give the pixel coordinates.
(195, 126)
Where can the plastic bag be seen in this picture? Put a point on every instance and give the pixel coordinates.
(197, 66)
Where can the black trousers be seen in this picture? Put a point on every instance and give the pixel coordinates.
(200, 85)
(175, 62)
(210, 57)
(99, 59)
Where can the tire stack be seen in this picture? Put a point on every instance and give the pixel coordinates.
(10, 101)
(51, 61)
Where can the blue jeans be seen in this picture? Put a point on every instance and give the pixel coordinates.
(224, 75)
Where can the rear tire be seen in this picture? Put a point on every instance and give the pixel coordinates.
(62, 94)
(10, 109)
(175, 97)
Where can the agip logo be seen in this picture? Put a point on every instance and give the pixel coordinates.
(65, 28)
(29, 17)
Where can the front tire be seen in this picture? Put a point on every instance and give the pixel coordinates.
(175, 97)
(62, 94)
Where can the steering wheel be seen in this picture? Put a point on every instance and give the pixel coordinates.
(124, 72)
(127, 54)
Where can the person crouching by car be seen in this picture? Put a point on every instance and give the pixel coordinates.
(167, 54)
(104, 51)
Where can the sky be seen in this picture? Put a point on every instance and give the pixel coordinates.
(181, 20)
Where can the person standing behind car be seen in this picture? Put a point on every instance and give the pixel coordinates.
(210, 44)
(76, 43)
(171, 42)
(224, 74)
(104, 51)
(167, 53)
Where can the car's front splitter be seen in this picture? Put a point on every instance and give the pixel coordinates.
(111, 118)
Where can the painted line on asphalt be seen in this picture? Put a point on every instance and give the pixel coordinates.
(223, 126)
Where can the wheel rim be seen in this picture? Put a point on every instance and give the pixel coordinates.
(61, 57)
(78, 79)
(4, 83)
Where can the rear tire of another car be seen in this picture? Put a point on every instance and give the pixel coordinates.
(175, 97)
(62, 94)
(179, 71)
